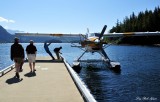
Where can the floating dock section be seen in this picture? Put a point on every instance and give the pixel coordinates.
(53, 81)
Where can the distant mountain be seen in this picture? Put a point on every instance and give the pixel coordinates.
(13, 31)
(5, 37)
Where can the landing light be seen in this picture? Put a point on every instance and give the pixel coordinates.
(97, 40)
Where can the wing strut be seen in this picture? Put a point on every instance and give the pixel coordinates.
(81, 55)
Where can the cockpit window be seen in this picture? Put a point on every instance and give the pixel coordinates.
(97, 34)
(91, 35)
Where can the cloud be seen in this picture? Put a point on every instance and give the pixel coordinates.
(6, 27)
(6, 20)
(11, 21)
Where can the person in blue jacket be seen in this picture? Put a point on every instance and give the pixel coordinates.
(47, 49)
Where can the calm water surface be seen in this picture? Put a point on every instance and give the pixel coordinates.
(139, 79)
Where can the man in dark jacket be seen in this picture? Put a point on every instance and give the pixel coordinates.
(17, 54)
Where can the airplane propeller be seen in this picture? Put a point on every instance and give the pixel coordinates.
(102, 32)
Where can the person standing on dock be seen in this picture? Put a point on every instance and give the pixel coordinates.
(57, 51)
(17, 54)
(31, 51)
(47, 49)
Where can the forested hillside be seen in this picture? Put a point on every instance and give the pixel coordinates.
(143, 22)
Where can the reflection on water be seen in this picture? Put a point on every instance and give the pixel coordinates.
(139, 78)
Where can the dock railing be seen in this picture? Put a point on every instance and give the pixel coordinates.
(88, 97)
(7, 69)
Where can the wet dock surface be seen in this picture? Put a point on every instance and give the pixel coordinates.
(51, 82)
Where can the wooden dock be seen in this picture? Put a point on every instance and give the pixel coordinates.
(51, 82)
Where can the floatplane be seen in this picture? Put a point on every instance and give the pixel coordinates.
(90, 42)
(94, 43)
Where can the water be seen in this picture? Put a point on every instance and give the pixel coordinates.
(139, 79)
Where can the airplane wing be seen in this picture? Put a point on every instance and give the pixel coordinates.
(53, 38)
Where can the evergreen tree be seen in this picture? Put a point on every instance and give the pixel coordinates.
(144, 21)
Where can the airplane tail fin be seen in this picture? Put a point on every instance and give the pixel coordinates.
(87, 30)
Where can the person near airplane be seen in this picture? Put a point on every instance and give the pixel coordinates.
(46, 47)
(57, 52)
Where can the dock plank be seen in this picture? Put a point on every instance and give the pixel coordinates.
(50, 83)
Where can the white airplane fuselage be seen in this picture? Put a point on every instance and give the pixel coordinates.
(92, 43)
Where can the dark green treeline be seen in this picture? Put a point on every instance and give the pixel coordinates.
(143, 22)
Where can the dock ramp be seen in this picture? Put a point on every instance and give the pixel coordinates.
(51, 82)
